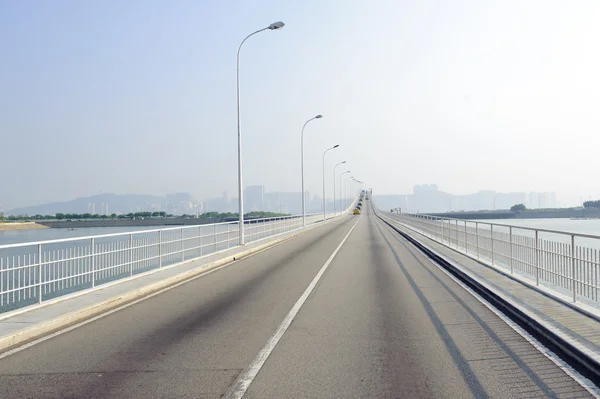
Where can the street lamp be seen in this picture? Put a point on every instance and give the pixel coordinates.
(324, 202)
(334, 211)
(302, 167)
(273, 26)
(341, 188)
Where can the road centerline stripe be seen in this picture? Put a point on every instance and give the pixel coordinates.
(239, 388)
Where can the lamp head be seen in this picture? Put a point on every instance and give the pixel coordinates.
(276, 25)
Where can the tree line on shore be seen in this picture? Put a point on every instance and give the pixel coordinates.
(591, 204)
(586, 205)
(137, 215)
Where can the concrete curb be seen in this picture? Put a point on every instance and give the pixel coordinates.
(576, 351)
(39, 330)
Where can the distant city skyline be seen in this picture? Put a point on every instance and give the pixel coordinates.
(429, 198)
(533, 199)
(423, 198)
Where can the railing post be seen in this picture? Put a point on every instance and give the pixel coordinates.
(573, 267)
(93, 263)
(130, 255)
(443, 238)
(456, 229)
(477, 238)
(537, 259)
(182, 246)
(492, 241)
(159, 249)
(200, 238)
(40, 270)
(229, 228)
(215, 236)
(510, 240)
(466, 239)
(445, 232)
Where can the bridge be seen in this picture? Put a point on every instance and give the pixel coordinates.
(377, 305)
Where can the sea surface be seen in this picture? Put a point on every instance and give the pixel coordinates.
(588, 227)
(18, 236)
(579, 226)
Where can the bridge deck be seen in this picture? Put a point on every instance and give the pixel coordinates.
(375, 318)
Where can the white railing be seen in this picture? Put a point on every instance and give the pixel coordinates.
(34, 272)
(567, 263)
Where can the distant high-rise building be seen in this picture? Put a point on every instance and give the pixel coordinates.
(254, 198)
(546, 200)
(534, 201)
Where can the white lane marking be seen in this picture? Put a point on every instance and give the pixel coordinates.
(239, 388)
(90, 320)
(574, 374)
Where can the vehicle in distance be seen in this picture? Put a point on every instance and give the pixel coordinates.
(357, 211)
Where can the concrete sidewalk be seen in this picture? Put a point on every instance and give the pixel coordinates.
(573, 330)
(27, 324)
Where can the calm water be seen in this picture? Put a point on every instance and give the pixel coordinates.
(16, 236)
(591, 226)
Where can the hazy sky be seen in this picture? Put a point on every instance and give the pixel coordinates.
(139, 96)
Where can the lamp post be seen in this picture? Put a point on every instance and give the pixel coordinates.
(302, 167)
(273, 26)
(324, 201)
(334, 210)
(341, 188)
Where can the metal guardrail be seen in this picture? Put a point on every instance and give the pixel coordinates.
(33, 272)
(568, 263)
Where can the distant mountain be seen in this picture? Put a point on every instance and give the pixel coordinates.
(112, 203)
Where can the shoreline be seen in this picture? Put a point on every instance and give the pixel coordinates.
(8, 226)
(166, 222)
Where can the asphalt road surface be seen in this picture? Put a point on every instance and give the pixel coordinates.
(382, 321)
